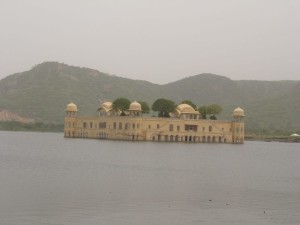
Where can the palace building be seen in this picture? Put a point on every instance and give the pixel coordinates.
(184, 125)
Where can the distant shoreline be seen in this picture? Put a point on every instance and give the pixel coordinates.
(58, 128)
(31, 127)
(274, 139)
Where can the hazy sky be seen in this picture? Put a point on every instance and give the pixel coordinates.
(156, 40)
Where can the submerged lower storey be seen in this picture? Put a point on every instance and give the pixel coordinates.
(154, 129)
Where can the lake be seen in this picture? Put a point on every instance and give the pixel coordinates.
(47, 179)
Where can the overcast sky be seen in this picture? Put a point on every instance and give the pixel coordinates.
(155, 40)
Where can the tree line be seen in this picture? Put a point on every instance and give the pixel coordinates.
(37, 126)
(165, 106)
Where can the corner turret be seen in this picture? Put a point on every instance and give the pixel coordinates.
(71, 110)
(70, 120)
(238, 126)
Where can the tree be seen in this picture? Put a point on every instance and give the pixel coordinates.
(214, 110)
(145, 107)
(121, 104)
(164, 107)
(211, 110)
(203, 111)
(189, 103)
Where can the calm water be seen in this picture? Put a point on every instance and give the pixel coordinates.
(46, 179)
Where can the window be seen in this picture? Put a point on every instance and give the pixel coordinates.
(84, 124)
(91, 125)
(171, 127)
(191, 128)
(203, 129)
(115, 125)
(210, 128)
(120, 126)
(178, 128)
(102, 125)
(157, 126)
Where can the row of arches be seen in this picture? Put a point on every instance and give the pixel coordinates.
(163, 138)
(134, 137)
(103, 135)
(69, 134)
(73, 134)
(189, 138)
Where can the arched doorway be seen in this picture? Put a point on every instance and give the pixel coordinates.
(166, 138)
(172, 138)
(208, 139)
(214, 139)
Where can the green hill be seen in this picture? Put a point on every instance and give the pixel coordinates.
(43, 92)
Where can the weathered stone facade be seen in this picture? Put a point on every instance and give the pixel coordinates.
(184, 125)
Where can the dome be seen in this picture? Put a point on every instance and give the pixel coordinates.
(71, 107)
(185, 108)
(238, 112)
(107, 106)
(135, 106)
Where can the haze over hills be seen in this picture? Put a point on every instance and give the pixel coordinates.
(43, 92)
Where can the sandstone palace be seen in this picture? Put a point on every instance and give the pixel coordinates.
(184, 125)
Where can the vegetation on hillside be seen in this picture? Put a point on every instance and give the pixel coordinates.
(43, 93)
(41, 127)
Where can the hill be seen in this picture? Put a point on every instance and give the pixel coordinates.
(43, 92)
